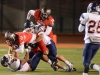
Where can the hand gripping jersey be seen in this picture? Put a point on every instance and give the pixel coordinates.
(91, 23)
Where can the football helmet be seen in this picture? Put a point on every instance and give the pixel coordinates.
(45, 12)
(6, 59)
(92, 7)
(10, 37)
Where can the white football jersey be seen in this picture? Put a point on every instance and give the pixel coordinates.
(14, 65)
(24, 68)
(40, 29)
(91, 23)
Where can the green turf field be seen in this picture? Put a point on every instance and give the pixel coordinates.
(73, 55)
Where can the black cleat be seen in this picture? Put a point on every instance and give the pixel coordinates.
(53, 65)
(74, 69)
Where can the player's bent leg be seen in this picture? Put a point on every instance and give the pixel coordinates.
(45, 58)
(35, 60)
(43, 48)
(52, 64)
(62, 58)
(59, 65)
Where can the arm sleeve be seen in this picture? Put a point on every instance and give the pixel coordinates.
(83, 20)
(81, 28)
(30, 13)
(20, 49)
(48, 30)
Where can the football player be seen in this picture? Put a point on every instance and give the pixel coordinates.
(17, 40)
(13, 63)
(43, 17)
(90, 22)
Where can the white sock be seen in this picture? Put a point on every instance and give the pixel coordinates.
(49, 61)
(96, 67)
(85, 74)
(67, 62)
(64, 68)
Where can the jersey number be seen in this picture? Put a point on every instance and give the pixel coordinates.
(92, 26)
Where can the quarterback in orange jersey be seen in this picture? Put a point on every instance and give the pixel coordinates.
(16, 41)
(43, 17)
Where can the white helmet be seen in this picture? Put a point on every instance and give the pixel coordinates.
(6, 59)
(93, 7)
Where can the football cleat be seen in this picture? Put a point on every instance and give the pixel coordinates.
(68, 70)
(70, 66)
(74, 69)
(53, 65)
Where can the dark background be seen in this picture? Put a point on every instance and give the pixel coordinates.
(65, 12)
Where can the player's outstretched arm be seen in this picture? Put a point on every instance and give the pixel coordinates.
(30, 13)
(26, 58)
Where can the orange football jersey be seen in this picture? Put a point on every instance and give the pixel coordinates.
(47, 22)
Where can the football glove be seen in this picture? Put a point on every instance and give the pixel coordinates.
(27, 24)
